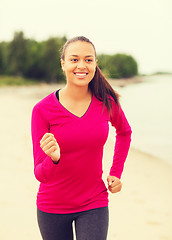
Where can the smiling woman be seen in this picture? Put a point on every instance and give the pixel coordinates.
(69, 129)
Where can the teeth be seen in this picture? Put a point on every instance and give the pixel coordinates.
(80, 74)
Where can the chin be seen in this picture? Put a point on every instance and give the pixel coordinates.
(81, 83)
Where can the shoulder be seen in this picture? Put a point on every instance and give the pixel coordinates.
(45, 107)
(115, 104)
(45, 102)
(110, 99)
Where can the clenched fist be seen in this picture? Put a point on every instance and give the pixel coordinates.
(114, 184)
(50, 146)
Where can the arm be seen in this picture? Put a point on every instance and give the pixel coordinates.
(123, 139)
(43, 164)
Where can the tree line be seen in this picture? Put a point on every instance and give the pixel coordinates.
(41, 60)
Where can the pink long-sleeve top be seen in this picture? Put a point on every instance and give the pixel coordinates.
(75, 184)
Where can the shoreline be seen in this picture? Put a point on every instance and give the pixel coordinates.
(121, 82)
(151, 155)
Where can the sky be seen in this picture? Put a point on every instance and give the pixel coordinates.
(141, 28)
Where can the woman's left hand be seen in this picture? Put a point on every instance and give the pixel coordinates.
(114, 184)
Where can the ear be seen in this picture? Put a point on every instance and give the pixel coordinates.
(62, 65)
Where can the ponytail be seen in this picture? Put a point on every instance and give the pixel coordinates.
(103, 90)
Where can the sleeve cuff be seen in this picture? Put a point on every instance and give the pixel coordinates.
(57, 162)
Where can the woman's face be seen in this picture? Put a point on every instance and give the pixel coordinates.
(79, 64)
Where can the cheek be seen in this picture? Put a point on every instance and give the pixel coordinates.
(69, 69)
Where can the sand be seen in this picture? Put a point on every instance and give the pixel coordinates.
(142, 210)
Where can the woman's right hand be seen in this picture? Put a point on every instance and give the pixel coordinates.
(50, 146)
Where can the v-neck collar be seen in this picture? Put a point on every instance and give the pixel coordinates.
(70, 113)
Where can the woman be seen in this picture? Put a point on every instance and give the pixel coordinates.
(69, 130)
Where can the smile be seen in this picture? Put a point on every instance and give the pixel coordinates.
(80, 74)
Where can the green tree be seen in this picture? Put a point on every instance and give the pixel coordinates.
(103, 60)
(118, 65)
(41, 60)
(122, 66)
(18, 54)
(2, 60)
(34, 68)
(51, 59)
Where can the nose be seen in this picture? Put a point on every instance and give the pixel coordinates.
(81, 64)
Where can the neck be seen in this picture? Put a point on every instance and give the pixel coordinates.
(76, 93)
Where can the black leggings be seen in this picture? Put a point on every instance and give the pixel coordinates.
(89, 225)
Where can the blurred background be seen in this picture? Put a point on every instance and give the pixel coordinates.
(133, 43)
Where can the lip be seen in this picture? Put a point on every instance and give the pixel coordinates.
(81, 75)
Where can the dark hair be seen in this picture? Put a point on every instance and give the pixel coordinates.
(98, 85)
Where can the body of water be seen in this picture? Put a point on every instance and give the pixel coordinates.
(148, 107)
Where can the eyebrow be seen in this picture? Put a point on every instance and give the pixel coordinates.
(85, 56)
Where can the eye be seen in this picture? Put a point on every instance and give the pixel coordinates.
(74, 60)
(89, 60)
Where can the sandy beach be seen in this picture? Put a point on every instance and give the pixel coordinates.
(142, 210)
